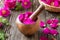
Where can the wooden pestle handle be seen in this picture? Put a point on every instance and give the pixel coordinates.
(37, 12)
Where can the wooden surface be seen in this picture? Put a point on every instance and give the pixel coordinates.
(15, 34)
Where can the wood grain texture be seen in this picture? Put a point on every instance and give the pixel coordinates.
(15, 34)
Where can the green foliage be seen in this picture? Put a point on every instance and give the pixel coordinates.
(2, 35)
(31, 0)
(4, 21)
(58, 16)
(18, 7)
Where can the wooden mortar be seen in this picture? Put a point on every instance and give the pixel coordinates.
(31, 28)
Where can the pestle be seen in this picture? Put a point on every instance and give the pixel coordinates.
(37, 12)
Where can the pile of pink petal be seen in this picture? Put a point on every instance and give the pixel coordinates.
(55, 3)
(24, 18)
(53, 24)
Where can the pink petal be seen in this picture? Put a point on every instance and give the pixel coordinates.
(43, 38)
(1, 24)
(56, 3)
(55, 20)
(42, 24)
(29, 13)
(54, 32)
(21, 17)
(10, 3)
(54, 25)
(19, 1)
(29, 21)
(49, 21)
(46, 30)
(49, 1)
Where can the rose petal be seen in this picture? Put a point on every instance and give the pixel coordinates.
(54, 25)
(29, 21)
(54, 32)
(42, 24)
(46, 30)
(55, 20)
(21, 17)
(43, 38)
(56, 3)
(49, 21)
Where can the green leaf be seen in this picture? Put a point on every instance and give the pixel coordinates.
(31, 0)
(1, 19)
(4, 21)
(18, 7)
(7, 24)
(2, 35)
(58, 17)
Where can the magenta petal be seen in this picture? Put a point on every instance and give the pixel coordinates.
(10, 3)
(44, 1)
(49, 21)
(29, 21)
(54, 32)
(42, 24)
(55, 20)
(1, 24)
(29, 13)
(56, 3)
(21, 17)
(26, 16)
(19, 1)
(46, 30)
(43, 38)
(54, 25)
(49, 2)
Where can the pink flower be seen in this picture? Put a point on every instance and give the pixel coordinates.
(5, 12)
(26, 4)
(54, 25)
(46, 30)
(43, 38)
(56, 3)
(42, 24)
(10, 3)
(49, 21)
(21, 17)
(54, 32)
